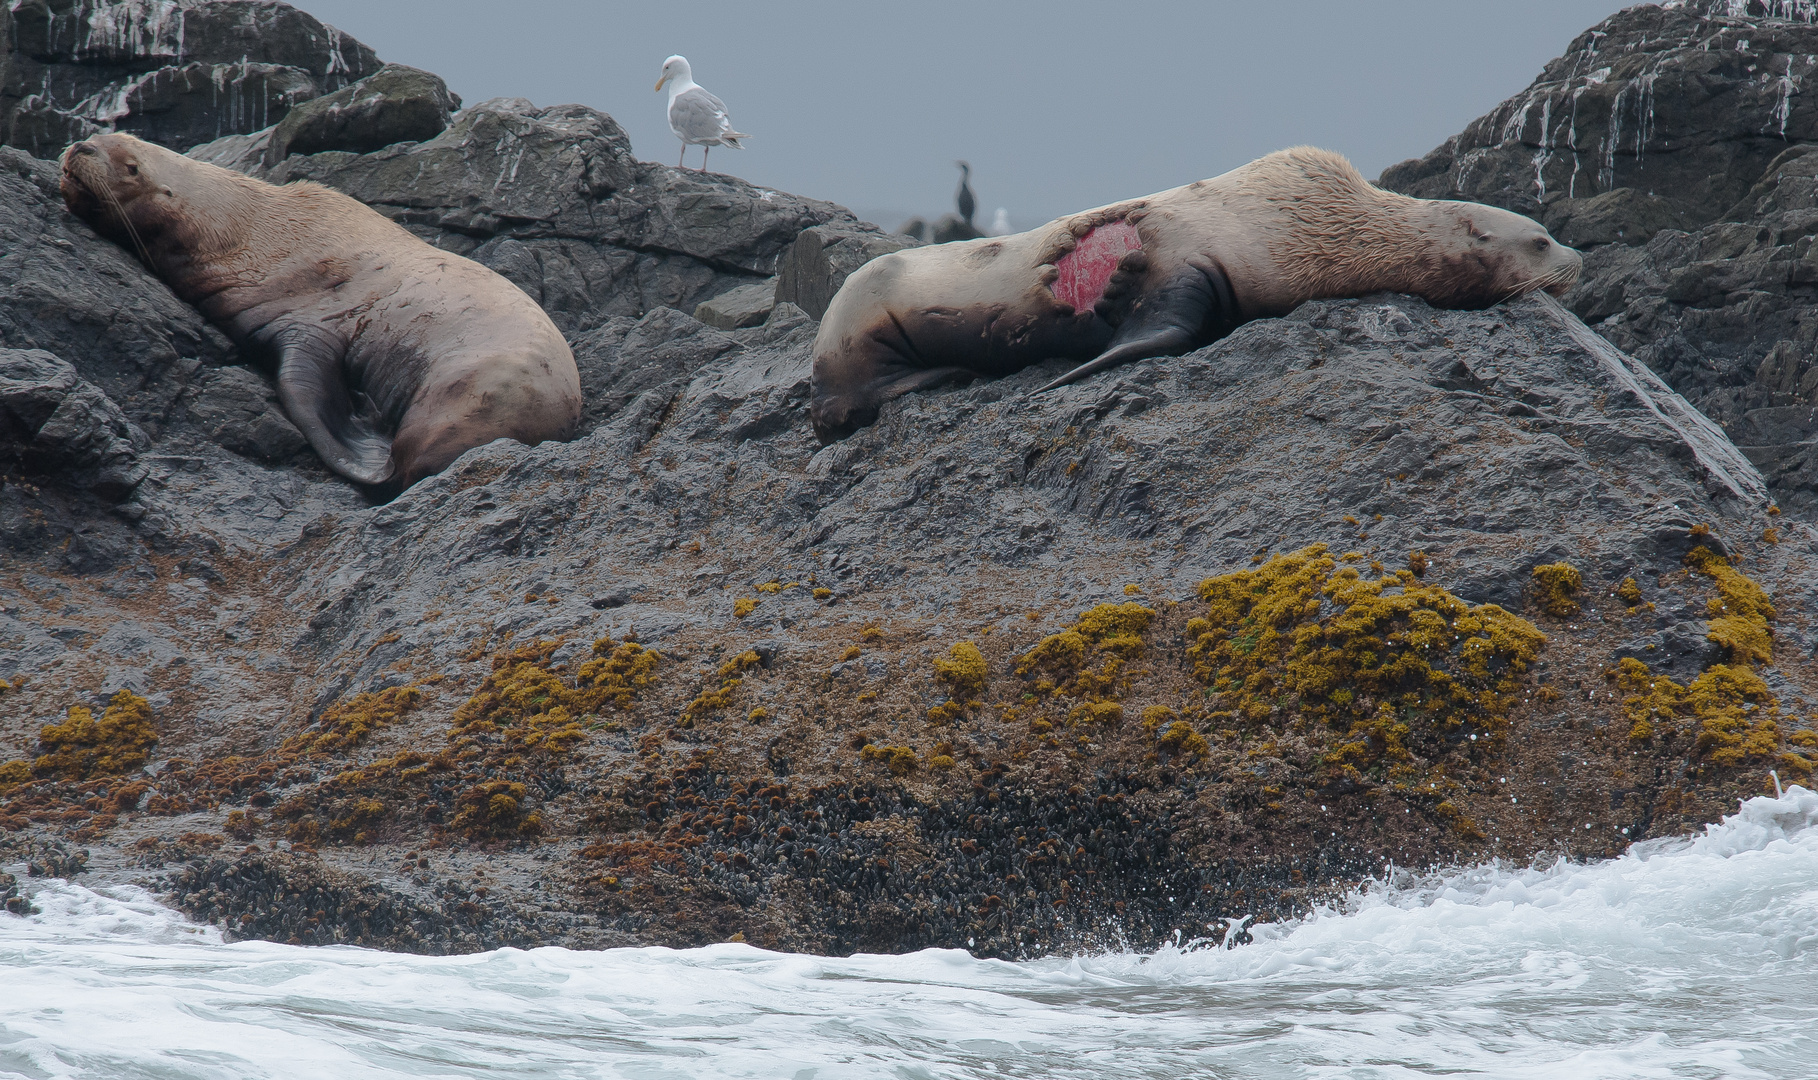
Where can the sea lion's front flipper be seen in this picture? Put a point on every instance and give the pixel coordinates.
(1191, 308)
(312, 387)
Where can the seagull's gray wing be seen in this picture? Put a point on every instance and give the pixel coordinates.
(698, 118)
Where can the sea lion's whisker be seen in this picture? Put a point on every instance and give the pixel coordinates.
(138, 244)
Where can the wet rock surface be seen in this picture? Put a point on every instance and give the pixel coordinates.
(701, 518)
(694, 677)
(177, 72)
(1675, 143)
(55, 425)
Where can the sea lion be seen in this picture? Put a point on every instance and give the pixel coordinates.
(1160, 276)
(392, 357)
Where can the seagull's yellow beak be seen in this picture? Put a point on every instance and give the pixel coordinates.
(661, 81)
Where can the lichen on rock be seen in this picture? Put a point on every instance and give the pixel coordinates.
(347, 724)
(731, 676)
(1741, 611)
(1556, 584)
(1397, 666)
(1728, 714)
(1111, 633)
(82, 746)
(526, 703)
(900, 760)
(963, 669)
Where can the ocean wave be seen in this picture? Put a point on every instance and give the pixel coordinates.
(1685, 957)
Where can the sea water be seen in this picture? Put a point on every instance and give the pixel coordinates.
(1683, 958)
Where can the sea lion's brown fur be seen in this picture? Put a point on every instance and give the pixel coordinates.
(1297, 225)
(391, 356)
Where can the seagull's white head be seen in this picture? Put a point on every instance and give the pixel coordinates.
(675, 69)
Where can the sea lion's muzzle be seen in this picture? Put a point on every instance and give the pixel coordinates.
(77, 182)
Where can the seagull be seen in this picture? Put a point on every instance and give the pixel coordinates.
(1000, 224)
(968, 205)
(697, 117)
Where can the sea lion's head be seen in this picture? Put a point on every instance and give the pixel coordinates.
(835, 416)
(1504, 254)
(114, 183)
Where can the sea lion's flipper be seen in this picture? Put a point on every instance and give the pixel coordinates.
(313, 391)
(923, 380)
(1191, 308)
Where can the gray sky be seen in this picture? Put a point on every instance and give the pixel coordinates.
(1059, 106)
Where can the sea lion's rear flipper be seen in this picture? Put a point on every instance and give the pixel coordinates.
(1191, 308)
(312, 387)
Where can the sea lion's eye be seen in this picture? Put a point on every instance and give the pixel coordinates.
(132, 170)
(1541, 243)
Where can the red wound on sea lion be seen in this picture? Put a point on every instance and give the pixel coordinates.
(1084, 271)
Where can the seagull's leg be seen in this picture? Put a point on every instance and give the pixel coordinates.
(683, 160)
(704, 150)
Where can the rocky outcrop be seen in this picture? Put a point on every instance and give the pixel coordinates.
(739, 308)
(553, 199)
(57, 427)
(1674, 141)
(986, 674)
(1484, 436)
(67, 291)
(793, 772)
(818, 263)
(1729, 314)
(396, 104)
(1662, 115)
(177, 72)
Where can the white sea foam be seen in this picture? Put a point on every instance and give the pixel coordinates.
(1694, 957)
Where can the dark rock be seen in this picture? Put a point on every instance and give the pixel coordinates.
(1622, 216)
(736, 309)
(239, 410)
(1684, 104)
(396, 104)
(1492, 441)
(178, 73)
(181, 106)
(283, 897)
(54, 425)
(1675, 142)
(655, 355)
(1680, 651)
(819, 261)
(89, 303)
(696, 513)
(67, 291)
(1482, 438)
(612, 598)
(553, 199)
